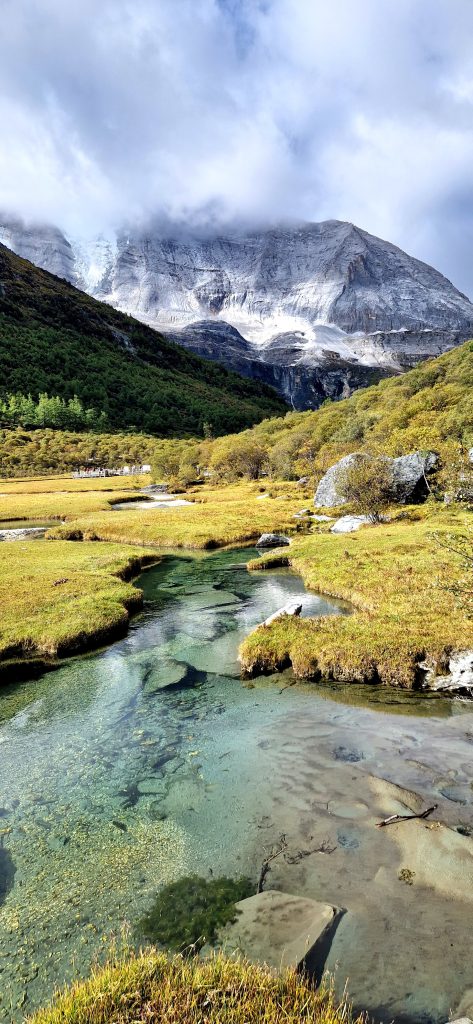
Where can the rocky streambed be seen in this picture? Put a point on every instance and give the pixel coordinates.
(151, 761)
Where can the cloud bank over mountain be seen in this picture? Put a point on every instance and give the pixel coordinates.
(247, 111)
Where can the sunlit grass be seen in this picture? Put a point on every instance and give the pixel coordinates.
(218, 516)
(396, 576)
(152, 988)
(66, 482)
(57, 504)
(62, 597)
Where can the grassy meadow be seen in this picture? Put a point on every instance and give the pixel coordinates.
(218, 516)
(62, 498)
(397, 577)
(153, 988)
(61, 598)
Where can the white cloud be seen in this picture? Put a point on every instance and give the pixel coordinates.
(245, 110)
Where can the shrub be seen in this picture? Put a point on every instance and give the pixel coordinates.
(366, 484)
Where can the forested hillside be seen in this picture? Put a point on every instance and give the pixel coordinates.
(56, 339)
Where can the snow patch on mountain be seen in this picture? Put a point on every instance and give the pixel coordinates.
(313, 300)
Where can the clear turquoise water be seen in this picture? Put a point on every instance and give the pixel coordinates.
(131, 767)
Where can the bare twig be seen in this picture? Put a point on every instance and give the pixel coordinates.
(405, 817)
(267, 861)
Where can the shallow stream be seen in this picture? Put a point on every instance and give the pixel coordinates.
(151, 760)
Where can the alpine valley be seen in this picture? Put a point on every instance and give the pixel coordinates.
(315, 310)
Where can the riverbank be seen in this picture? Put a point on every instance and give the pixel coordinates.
(48, 617)
(398, 578)
(62, 598)
(219, 516)
(184, 990)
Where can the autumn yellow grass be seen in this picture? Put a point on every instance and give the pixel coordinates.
(61, 499)
(61, 598)
(218, 516)
(69, 483)
(397, 577)
(153, 988)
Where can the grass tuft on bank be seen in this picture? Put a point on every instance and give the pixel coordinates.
(62, 598)
(396, 576)
(152, 988)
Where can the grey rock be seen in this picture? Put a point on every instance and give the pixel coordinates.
(272, 540)
(410, 473)
(409, 478)
(348, 524)
(291, 608)
(316, 310)
(327, 494)
(459, 679)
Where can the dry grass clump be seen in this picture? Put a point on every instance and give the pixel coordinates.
(152, 988)
(396, 576)
(59, 598)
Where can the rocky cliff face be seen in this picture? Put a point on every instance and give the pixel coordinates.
(316, 310)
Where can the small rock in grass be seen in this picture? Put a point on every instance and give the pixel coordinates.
(272, 540)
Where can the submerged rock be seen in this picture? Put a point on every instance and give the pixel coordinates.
(272, 540)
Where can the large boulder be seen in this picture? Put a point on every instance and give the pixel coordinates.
(327, 494)
(281, 930)
(409, 478)
(410, 474)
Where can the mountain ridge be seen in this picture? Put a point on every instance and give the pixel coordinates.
(302, 297)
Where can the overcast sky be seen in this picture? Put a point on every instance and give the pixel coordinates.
(243, 110)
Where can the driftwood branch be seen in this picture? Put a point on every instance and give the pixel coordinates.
(405, 817)
(267, 861)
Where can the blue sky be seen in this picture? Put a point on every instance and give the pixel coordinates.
(243, 111)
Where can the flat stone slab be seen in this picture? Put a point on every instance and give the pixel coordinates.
(281, 930)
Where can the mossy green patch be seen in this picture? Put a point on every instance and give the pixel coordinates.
(188, 914)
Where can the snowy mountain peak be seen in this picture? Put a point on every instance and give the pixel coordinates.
(303, 298)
